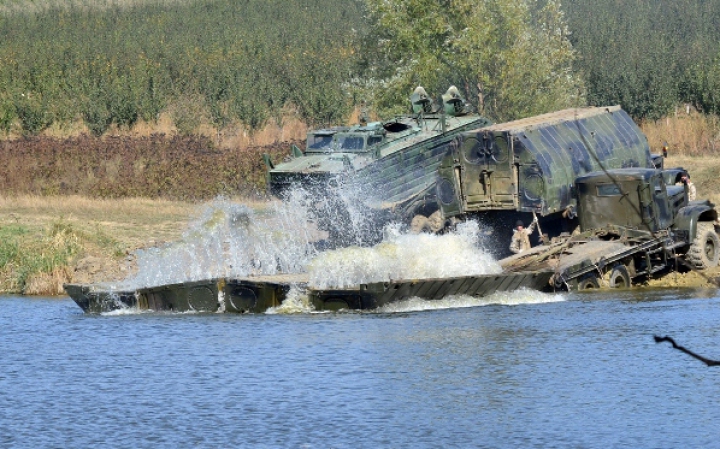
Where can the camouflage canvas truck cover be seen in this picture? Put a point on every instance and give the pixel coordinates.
(530, 165)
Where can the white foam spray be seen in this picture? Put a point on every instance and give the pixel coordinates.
(232, 240)
(229, 240)
(511, 298)
(404, 256)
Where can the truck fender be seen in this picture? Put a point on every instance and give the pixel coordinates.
(688, 217)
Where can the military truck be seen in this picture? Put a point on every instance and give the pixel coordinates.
(513, 170)
(631, 225)
(386, 170)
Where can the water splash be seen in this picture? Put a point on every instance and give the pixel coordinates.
(513, 298)
(229, 240)
(296, 301)
(405, 256)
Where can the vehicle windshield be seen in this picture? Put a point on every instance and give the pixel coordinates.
(319, 142)
(351, 143)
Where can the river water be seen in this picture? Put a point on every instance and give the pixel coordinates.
(523, 370)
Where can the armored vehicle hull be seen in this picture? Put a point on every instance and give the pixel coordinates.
(388, 170)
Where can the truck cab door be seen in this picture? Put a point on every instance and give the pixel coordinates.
(662, 205)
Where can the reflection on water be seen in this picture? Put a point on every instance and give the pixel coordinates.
(541, 371)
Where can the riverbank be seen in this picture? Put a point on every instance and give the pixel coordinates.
(46, 241)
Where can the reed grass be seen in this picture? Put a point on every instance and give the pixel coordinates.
(685, 133)
(26, 255)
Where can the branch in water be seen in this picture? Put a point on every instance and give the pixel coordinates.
(708, 362)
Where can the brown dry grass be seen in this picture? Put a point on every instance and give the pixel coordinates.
(233, 136)
(686, 134)
(133, 222)
(48, 283)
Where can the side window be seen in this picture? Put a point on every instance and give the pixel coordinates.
(352, 143)
(608, 190)
(374, 140)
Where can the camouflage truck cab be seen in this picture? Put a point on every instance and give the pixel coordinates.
(530, 165)
(631, 199)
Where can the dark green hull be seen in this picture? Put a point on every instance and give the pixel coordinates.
(258, 294)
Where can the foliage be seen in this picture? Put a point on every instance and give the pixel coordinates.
(516, 61)
(116, 65)
(702, 86)
(181, 167)
(647, 55)
(23, 254)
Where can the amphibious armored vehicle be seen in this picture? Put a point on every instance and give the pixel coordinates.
(388, 169)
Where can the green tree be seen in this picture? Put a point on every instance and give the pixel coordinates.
(514, 60)
(645, 55)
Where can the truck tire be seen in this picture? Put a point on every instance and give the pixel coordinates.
(704, 251)
(619, 277)
(587, 282)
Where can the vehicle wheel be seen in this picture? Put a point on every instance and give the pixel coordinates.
(588, 282)
(619, 277)
(704, 251)
(419, 224)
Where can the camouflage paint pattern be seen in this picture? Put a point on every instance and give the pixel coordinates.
(637, 199)
(392, 165)
(530, 165)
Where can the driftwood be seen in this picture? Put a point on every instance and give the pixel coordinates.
(708, 362)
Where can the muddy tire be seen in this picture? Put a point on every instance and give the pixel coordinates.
(419, 224)
(588, 282)
(619, 277)
(704, 251)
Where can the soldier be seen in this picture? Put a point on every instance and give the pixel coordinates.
(685, 180)
(521, 237)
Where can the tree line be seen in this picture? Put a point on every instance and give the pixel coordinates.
(648, 55)
(204, 61)
(220, 62)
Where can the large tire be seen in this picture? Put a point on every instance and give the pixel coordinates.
(588, 282)
(619, 277)
(704, 251)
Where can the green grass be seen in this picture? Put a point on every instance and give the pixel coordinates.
(27, 253)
